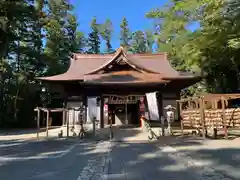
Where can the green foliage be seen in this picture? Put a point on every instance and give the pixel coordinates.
(138, 42)
(106, 31)
(24, 24)
(150, 40)
(125, 34)
(61, 35)
(93, 38)
(37, 37)
(213, 49)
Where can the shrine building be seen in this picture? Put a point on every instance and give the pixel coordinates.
(116, 84)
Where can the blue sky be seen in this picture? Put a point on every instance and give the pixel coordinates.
(133, 10)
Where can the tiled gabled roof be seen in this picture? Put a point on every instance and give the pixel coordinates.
(84, 66)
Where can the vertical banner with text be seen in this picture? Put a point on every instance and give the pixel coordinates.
(152, 106)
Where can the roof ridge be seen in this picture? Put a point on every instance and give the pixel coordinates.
(147, 54)
(92, 56)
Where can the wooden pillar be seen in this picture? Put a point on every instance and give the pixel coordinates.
(189, 104)
(47, 123)
(197, 105)
(216, 104)
(202, 110)
(126, 110)
(38, 122)
(224, 118)
(190, 114)
(63, 117)
(85, 104)
(102, 112)
(215, 131)
(213, 104)
(181, 119)
(67, 112)
(160, 104)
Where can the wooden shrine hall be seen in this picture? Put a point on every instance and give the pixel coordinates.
(118, 82)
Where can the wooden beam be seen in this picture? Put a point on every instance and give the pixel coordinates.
(38, 122)
(202, 116)
(224, 118)
(49, 109)
(102, 112)
(47, 123)
(218, 97)
(126, 112)
(67, 123)
(188, 99)
(181, 118)
(190, 114)
(212, 104)
(63, 117)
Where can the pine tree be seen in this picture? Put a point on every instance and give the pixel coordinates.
(138, 43)
(18, 55)
(75, 40)
(125, 34)
(93, 38)
(106, 33)
(61, 35)
(149, 40)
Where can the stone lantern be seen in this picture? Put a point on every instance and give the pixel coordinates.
(170, 117)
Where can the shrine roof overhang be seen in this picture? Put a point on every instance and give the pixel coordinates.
(128, 79)
(145, 69)
(182, 82)
(86, 64)
(125, 76)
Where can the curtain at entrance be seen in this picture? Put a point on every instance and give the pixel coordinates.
(92, 109)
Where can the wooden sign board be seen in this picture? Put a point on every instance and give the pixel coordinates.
(123, 99)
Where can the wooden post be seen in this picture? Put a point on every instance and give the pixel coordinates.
(63, 117)
(102, 112)
(201, 109)
(189, 104)
(126, 110)
(38, 122)
(190, 114)
(181, 119)
(213, 104)
(224, 118)
(63, 121)
(67, 123)
(216, 104)
(47, 123)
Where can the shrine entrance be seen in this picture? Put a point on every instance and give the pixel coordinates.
(123, 109)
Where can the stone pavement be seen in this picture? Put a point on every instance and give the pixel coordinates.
(222, 156)
(32, 133)
(53, 160)
(135, 157)
(130, 156)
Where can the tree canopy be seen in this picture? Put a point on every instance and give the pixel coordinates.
(38, 36)
(212, 48)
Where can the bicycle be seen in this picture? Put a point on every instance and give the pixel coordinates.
(151, 134)
(82, 132)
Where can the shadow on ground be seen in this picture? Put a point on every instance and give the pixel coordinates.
(180, 157)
